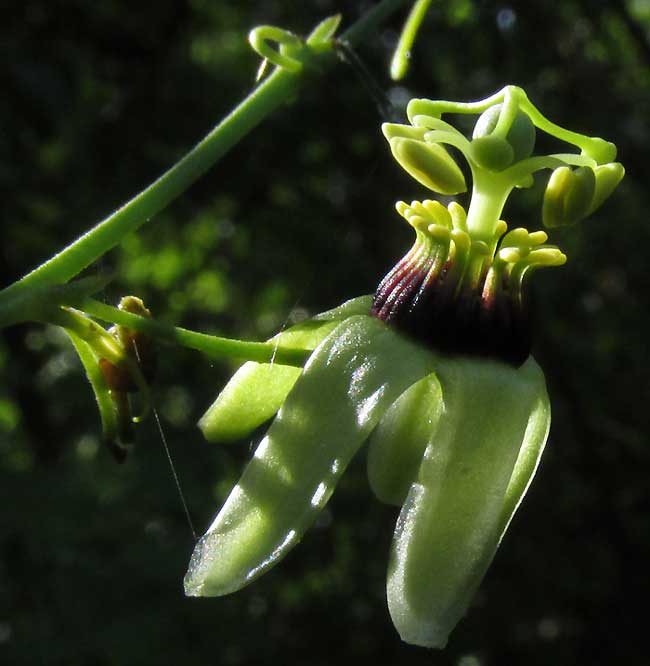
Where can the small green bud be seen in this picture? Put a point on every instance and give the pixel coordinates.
(492, 155)
(430, 164)
(569, 196)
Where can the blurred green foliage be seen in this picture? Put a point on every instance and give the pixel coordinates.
(98, 99)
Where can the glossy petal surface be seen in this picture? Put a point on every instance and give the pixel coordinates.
(348, 383)
(473, 474)
(397, 444)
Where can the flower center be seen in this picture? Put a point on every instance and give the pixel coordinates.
(460, 295)
(460, 288)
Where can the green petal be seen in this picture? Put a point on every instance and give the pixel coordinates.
(347, 384)
(257, 390)
(251, 397)
(528, 459)
(397, 444)
(473, 474)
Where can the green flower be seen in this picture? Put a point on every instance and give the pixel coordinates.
(434, 372)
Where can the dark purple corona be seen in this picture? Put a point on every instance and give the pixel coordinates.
(461, 296)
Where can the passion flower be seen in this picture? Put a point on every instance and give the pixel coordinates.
(434, 370)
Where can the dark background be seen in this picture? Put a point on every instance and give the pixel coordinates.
(97, 100)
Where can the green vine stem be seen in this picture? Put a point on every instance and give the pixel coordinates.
(100, 239)
(212, 345)
(262, 101)
(33, 303)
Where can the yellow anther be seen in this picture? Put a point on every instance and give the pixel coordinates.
(430, 164)
(569, 196)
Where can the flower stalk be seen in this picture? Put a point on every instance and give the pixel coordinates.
(211, 345)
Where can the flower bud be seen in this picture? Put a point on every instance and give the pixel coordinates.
(138, 346)
(569, 196)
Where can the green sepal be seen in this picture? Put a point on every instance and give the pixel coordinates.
(257, 390)
(116, 434)
(430, 164)
(474, 472)
(568, 196)
(350, 380)
(397, 444)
